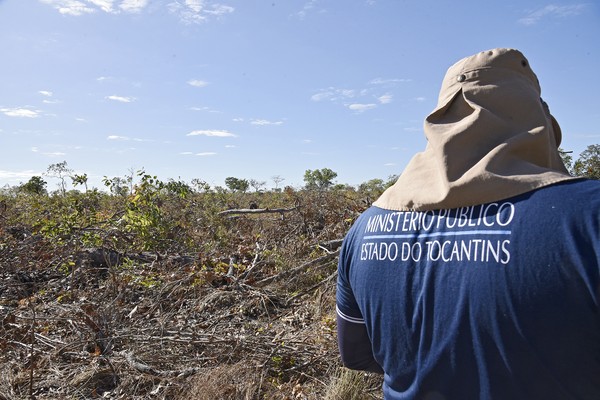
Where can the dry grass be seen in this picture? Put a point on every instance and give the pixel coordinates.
(247, 313)
(228, 382)
(353, 385)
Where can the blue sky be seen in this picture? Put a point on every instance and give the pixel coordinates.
(254, 89)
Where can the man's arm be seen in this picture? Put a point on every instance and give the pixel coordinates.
(355, 346)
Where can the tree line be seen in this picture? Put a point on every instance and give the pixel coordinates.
(587, 165)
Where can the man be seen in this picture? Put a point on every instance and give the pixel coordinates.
(477, 274)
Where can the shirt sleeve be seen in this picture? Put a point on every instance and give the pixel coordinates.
(346, 305)
(353, 340)
(355, 347)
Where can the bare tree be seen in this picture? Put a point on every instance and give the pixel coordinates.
(277, 179)
(257, 185)
(61, 171)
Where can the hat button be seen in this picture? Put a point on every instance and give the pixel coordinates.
(461, 78)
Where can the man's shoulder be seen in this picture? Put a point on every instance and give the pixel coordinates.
(569, 196)
(576, 191)
(576, 184)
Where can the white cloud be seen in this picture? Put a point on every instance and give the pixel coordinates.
(121, 99)
(552, 11)
(349, 93)
(263, 122)
(420, 99)
(105, 5)
(47, 93)
(382, 81)
(203, 154)
(219, 9)
(309, 7)
(358, 107)
(212, 133)
(195, 5)
(77, 7)
(321, 96)
(350, 98)
(198, 11)
(20, 112)
(206, 109)
(69, 7)
(334, 94)
(385, 99)
(133, 6)
(16, 175)
(197, 83)
(127, 138)
(117, 137)
(50, 154)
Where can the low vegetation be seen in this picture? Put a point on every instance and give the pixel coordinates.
(172, 291)
(169, 290)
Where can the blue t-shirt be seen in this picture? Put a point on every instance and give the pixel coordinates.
(495, 301)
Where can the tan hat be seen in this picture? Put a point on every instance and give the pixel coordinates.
(490, 137)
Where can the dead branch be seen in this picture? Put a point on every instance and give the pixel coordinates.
(146, 369)
(331, 245)
(310, 289)
(318, 261)
(168, 317)
(257, 211)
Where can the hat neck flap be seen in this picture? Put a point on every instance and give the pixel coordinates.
(490, 137)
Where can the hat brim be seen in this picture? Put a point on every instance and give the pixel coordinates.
(557, 131)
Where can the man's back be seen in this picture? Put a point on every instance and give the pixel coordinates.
(493, 301)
